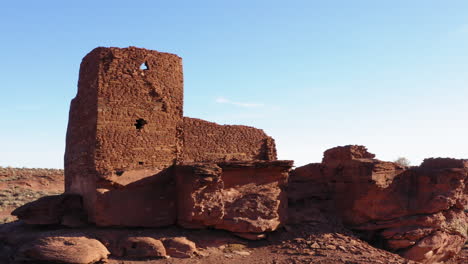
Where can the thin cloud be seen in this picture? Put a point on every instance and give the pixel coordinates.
(222, 100)
(463, 29)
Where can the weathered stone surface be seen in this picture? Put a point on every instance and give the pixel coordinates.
(149, 202)
(243, 197)
(418, 212)
(180, 247)
(309, 194)
(140, 247)
(206, 141)
(122, 121)
(444, 163)
(126, 131)
(435, 248)
(73, 250)
(65, 209)
(349, 152)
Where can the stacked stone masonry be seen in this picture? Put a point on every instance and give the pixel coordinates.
(127, 134)
(207, 141)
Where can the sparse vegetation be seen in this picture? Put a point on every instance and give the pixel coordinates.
(17, 196)
(16, 189)
(402, 161)
(12, 174)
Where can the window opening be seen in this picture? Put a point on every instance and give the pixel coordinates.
(144, 66)
(140, 123)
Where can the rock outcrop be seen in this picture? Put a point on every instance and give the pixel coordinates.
(180, 247)
(241, 197)
(417, 212)
(140, 248)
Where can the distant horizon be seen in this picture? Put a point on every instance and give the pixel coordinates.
(294, 166)
(391, 76)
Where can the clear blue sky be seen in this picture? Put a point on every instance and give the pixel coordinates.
(391, 75)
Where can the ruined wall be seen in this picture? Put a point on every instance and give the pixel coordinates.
(126, 132)
(138, 109)
(123, 123)
(81, 133)
(207, 141)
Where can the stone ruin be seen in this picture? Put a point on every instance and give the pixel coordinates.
(132, 159)
(137, 161)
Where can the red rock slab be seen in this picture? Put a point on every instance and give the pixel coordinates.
(241, 197)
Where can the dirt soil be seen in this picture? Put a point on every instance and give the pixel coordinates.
(312, 242)
(20, 186)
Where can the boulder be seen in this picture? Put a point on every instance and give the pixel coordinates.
(140, 247)
(73, 250)
(241, 197)
(180, 247)
(435, 248)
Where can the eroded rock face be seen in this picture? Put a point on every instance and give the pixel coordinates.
(241, 197)
(73, 250)
(147, 202)
(417, 212)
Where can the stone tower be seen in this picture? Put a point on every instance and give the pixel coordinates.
(124, 118)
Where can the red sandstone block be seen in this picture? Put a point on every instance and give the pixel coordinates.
(243, 197)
